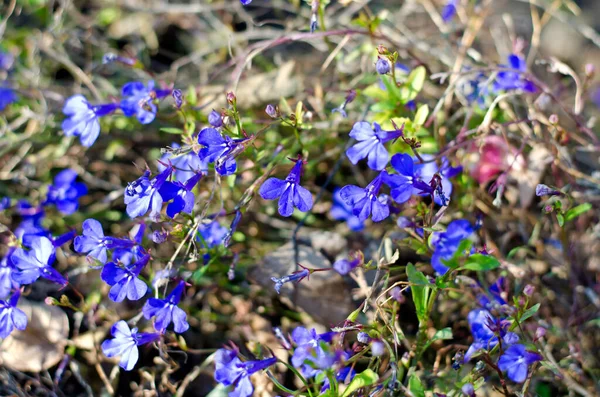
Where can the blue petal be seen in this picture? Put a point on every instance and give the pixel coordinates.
(303, 199)
(272, 188)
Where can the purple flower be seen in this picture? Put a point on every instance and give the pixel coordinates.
(178, 97)
(95, 244)
(271, 111)
(6, 60)
(345, 265)
(382, 66)
(181, 194)
(449, 10)
(513, 79)
(485, 330)
(7, 96)
(64, 193)
(342, 211)
(308, 348)
(220, 150)
(365, 201)
(370, 144)
(82, 118)
(11, 317)
(245, 2)
(516, 361)
(144, 194)
(446, 243)
(35, 263)
(215, 119)
(297, 276)
(166, 311)
(6, 270)
(231, 371)
(405, 182)
(138, 100)
(31, 223)
(185, 166)
(426, 172)
(468, 390)
(289, 192)
(124, 281)
(4, 203)
(211, 234)
(125, 343)
(544, 190)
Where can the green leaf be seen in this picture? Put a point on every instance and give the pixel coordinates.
(414, 85)
(365, 378)
(561, 219)
(415, 386)
(171, 130)
(420, 291)
(481, 263)
(442, 334)
(530, 312)
(576, 211)
(421, 115)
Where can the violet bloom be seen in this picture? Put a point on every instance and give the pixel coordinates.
(297, 276)
(7, 96)
(6, 270)
(289, 192)
(365, 201)
(220, 150)
(95, 244)
(544, 190)
(382, 66)
(446, 243)
(166, 311)
(181, 194)
(245, 2)
(485, 330)
(124, 281)
(212, 234)
(11, 317)
(185, 166)
(125, 343)
(345, 265)
(513, 79)
(307, 347)
(342, 211)
(516, 361)
(215, 119)
(35, 263)
(449, 10)
(370, 144)
(144, 194)
(426, 172)
(138, 100)
(231, 371)
(64, 193)
(83, 118)
(405, 182)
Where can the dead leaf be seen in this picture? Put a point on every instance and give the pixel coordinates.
(43, 342)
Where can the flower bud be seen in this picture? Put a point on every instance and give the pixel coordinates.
(382, 66)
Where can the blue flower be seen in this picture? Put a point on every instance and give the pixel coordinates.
(185, 166)
(95, 244)
(426, 171)
(343, 212)
(516, 361)
(405, 182)
(344, 266)
(11, 317)
(297, 276)
(382, 66)
(125, 343)
(181, 194)
(144, 194)
(6, 270)
(35, 263)
(485, 330)
(308, 348)
(7, 96)
(124, 281)
(365, 202)
(212, 234)
(138, 100)
(245, 2)
(82, 118)
(231, 371)
(215, 119)
(449, 10)
(166, 311)
(6, 60)
(31, 223)
(220, 150)
(64, 193)
(370, 144)
(289, 192)
(446, 243)
(513, 79)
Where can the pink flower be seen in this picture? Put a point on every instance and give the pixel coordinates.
(493, 157)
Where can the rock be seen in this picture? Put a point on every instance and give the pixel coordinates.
(324, 296)
(329, 243)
